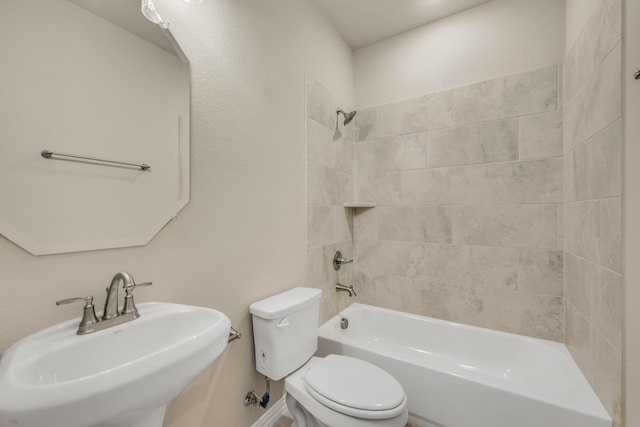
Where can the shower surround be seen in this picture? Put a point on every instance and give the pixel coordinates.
(329, 163)
(468, 187)
(593, 202)
(497, 204)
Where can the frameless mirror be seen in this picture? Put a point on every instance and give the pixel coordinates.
(95, 79)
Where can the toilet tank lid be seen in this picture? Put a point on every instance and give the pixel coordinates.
(284, 303)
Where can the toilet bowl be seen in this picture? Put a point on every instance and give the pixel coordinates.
(340, 391)
(334, 391)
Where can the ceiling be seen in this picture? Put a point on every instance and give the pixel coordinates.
(363, 22)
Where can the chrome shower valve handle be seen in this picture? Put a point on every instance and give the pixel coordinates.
(339, 261)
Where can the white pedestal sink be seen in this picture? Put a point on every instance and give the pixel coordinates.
(118, 377)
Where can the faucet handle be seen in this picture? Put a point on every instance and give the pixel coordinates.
(134, 285)
(89, 317)
(339, 261)
(88, 301)
(129, 304)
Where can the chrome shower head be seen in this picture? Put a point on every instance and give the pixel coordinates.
(348, 117)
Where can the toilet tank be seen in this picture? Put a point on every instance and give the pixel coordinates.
(285, 331)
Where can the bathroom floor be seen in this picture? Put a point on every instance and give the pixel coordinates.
(285, 421)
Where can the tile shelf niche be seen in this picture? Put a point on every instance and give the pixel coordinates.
(365, 205)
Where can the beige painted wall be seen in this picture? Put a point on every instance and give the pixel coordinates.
(75, 58)
(577, 14)
(242, 236)
(631, 214)
(492, 40)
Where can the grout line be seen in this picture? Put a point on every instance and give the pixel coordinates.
(594, 264)
(464, 165)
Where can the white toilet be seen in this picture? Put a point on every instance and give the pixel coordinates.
(334, 391)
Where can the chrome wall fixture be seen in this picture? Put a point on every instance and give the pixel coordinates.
(339, 261)
(347, 116)
(234, 335)
(48, 154)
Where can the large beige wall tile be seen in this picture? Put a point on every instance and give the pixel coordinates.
(578, 338)
(400, 118)
(417, 224)
(582, 229)
(432, 224)
(391, 154)
(328, 224)
(480, 102)
(532, 92)
(391, 258)
(607, 313)
(440, 110)
(597, 165)
(610, 241)
(573, 125)
(447, 266)
(568, 186)
(541, 272)
(328, 185)
(443, 186)
(534, 315)
(560, 223)
(529, 226)
(413, 187)
(606, 375)
(381, 188)
(573, 71)
(494, 141)
(493, 267)
(319, 144)
(366, 124)
(531, 181)
(443, 303)
(603, 96)
(328, 149)
(541, 135)
(365, 224)
(605, 31)
(395, 223)
(379, 289)
(320, 269)
(580, 283)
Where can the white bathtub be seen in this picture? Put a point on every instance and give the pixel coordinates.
(463, 376)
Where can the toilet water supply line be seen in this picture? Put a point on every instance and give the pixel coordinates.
(253, 399)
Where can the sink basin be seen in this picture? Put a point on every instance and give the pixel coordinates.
(121, 376)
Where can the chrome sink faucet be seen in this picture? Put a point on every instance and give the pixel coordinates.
(111, 303)
(111, 316)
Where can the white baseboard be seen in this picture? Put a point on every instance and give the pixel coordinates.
(273, 414)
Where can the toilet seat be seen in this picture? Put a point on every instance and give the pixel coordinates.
(355, 387)
(297, 390)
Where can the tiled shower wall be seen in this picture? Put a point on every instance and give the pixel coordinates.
(329, 187)
(593, 208)
(468, 187)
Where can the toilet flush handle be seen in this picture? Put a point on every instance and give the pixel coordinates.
(283, 323)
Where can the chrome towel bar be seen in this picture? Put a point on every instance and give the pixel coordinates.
(48, 154)
(234, 335)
